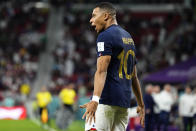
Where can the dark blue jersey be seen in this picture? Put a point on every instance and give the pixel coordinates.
(117, 43)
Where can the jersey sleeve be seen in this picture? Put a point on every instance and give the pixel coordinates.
(104, 45)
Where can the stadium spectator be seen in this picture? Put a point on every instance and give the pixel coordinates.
(186, 105)
(166, 101)
(149, 108)
(155, 95)
(24, 91)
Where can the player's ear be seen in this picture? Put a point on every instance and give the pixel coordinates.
(106, 16)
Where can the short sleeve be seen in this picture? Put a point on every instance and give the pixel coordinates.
(104, 45)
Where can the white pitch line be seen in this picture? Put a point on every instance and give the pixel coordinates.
(45, 126)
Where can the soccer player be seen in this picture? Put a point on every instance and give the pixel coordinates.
(115, 75)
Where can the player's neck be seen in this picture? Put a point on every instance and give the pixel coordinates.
(109, 23)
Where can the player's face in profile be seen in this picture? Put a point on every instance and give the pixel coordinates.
(97, 19)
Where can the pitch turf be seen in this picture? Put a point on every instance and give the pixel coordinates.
(28, 125)
(19, 125)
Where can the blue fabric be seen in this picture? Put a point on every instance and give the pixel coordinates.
(117, 91)
(164, 120)
(149, 103)
(149, 118)
(188, 123)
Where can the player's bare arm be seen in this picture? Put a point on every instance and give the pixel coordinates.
(99, 81)
(137, 91)
(100, 75)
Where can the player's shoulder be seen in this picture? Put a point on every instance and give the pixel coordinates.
(125, 32)
(109, 32)
(105, 35)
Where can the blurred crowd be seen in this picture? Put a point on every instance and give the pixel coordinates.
(172, 108)
(127, 1)
(22, 38)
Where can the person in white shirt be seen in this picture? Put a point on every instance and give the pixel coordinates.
(194, 109)
(186, 105)
(166, 100)
(155, 95)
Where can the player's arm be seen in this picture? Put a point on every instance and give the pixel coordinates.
(136, 88)
(138, 94)
(100, 75)
(99, 81)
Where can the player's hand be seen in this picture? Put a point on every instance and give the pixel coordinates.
(91, 108)
(141, 111)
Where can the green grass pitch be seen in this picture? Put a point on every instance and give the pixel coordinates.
(28, 125)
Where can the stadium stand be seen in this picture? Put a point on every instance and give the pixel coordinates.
(22, 38)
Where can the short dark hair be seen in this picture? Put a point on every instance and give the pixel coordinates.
(107, 7)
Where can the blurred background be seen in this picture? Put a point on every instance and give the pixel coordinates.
(48, 60)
